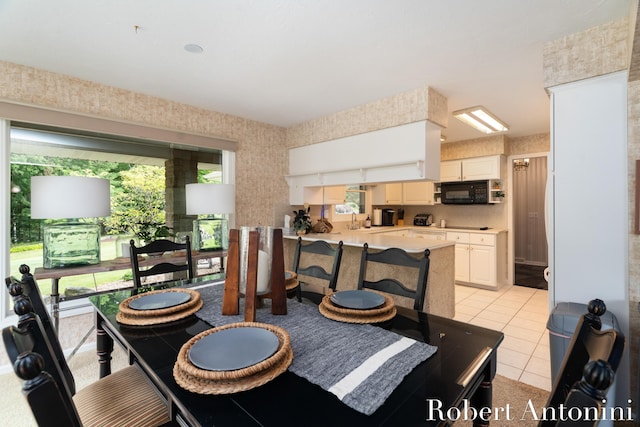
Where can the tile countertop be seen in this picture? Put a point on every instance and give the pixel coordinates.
(377, 239)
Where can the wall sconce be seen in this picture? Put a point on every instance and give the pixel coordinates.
(481, 119)
(520, 164)
(210, 233)
(70, 205)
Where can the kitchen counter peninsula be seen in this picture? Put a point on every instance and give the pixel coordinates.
(440, 296)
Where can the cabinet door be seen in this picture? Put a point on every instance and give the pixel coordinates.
(334, 195)
(417, 193)
(482, 265)
(450, 171)
(387, 194)
(481, 168)
(462, 263)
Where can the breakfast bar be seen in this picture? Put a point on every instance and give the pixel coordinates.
(440, 295)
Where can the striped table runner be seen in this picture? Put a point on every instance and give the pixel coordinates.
(360, 364)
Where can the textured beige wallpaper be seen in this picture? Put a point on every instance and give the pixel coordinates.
(407, 107)
(594, 52)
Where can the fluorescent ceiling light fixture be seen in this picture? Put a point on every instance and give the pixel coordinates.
(481, 119)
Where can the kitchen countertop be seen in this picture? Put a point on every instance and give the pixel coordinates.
(376, 238)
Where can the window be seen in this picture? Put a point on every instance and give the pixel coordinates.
(355, 201)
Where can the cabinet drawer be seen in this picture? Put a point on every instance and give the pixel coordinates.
(482, 239)
(457, 237)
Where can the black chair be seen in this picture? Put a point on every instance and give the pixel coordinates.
(154, 251)
(125, 397)
(29, 288)
(589, 392)
(588, 343)
(400, 258)
(310, 267)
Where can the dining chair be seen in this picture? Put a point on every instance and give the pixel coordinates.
(29, 288)
(125, 397)
(306, 262)
(154, 251)
(589, 392)
(396, 257)
(588, 343)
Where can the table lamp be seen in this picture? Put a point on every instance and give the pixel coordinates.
(70, 205)
(205, 200)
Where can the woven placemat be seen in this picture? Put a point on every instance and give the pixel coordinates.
(129, 312)
(381, 314)
(203, 381)
(184, 310)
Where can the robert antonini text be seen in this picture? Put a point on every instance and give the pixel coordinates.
(435, 412)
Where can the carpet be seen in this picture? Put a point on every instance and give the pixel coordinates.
(531, 276)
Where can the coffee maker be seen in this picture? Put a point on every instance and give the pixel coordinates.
(387, 217)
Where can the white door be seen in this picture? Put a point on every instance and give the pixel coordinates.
(482, 265)
(462, 262)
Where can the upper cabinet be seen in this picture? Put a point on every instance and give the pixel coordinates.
(387, 194)
(334, 195)
(408, 193)
(472, 169)
(417, 193)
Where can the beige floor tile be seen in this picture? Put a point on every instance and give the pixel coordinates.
(508, 371)
(543, 352)
(540, 318)
(486, 323)
(512, 358)
(524, 334)
(461, 317)
(495, 316)
(517, 344)
(467, 309)
(504, 309)
(539, 366)
(527, 324)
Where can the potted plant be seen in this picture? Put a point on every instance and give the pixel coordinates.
(302, 221)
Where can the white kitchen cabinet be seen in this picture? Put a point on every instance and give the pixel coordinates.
(472, 169)
(417, 193)
(387, 194)
(333, 195)
(409, 193)
(480, 258)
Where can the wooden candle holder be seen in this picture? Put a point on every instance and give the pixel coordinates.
(231, 296)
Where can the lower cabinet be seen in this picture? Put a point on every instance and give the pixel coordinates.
(480, 258)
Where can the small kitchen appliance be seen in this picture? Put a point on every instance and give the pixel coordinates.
(377, 218)
(387, 217)
(423, 219)
(465, 193)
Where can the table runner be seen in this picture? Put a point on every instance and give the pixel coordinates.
(360, 364)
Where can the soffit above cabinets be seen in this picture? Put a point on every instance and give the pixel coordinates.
(409, 152)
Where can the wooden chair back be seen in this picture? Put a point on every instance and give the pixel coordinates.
(154, 250)
(397, 257)
(28, 288)
(29, 336)
(588, 343)
(322, 249)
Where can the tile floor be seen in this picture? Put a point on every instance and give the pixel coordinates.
(521, 314)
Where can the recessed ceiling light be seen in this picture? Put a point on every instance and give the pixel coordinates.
(193, 48)
(481, 119)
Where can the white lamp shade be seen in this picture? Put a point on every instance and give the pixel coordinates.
(57, 197)
(209, 199)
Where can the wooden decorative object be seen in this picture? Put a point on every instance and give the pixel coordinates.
(250, 297)
(231, 297)
(278, 291)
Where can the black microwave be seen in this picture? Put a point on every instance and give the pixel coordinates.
(465, 193)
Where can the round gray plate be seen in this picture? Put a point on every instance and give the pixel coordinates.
(234, 348)
(158, 301)
(357, 299)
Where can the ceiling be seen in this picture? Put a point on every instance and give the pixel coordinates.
(288, 61)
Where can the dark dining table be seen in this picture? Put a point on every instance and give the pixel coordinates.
(457, 375)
